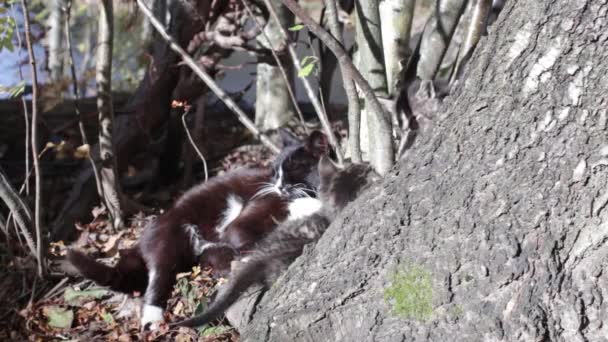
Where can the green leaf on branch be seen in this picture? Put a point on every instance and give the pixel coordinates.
(297, 27)
(306, 70)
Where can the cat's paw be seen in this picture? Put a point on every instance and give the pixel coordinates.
(151, 317)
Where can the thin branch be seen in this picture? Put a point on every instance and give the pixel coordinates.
(25, 111)
(16, 208)
(279, 64)
(200, 154)
(209, 81)
(385, 149)
(75, 89)
(354, 109)
(307, 86)
(34, 142)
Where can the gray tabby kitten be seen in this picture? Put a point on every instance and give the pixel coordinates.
(276, 251)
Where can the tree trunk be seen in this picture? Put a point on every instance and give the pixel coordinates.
(55, 40)
(397, 17)
(273, 106)
(371, 65)
(110, 184)
(437, 36)
(495, 228)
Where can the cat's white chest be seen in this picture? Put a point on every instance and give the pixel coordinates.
(303, 207)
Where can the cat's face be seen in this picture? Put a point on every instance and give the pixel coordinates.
(338, 186)
(295, 169)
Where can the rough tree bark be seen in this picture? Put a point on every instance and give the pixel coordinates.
(273, 106)
(500, 211)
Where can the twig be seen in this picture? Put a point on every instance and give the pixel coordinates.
(83, 134)
(346, 65)
(16, 208)
(307, 86)
(55, 289)
(354, 110)
(200, 154)
(25, 111)
(34, 142)
(219, 92)
(279, 64)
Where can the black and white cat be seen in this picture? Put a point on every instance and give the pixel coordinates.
(274, 253)
(216, 219)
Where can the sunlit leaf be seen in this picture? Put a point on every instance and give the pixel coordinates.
(58, 316)
(215, 330)
(306, 70)
(297, 27)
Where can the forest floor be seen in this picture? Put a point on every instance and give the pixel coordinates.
(68, 308)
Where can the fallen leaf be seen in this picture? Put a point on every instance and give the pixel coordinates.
(111, 244)
(107, 317)
(178, 309)
(70, 295)
(124, 338)
(58, 316)
(97, 211)
(215, 330)
(183, 338)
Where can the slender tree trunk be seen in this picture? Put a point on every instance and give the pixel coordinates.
(397, 17)
(112, 193)
(436, 39)
(55, 40)
(273, 106)
(477, 27)
(495, 229)
(371, 65)
(354, 109)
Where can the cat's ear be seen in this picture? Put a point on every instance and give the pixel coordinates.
(318, 144)
(326, 169)
(288, 138)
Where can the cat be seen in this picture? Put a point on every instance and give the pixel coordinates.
(237, 209)
(275, 252)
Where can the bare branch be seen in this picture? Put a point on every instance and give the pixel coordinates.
(17, 209)
(260, 27)
(221, 94)
(83, 134)
(307, 86)
(34, 142)
(436, 38)
(198, 151)
(476, 28)
(354, 109)
(385, 147)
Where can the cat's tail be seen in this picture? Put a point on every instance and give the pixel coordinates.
(129, 274)
(256, 270)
